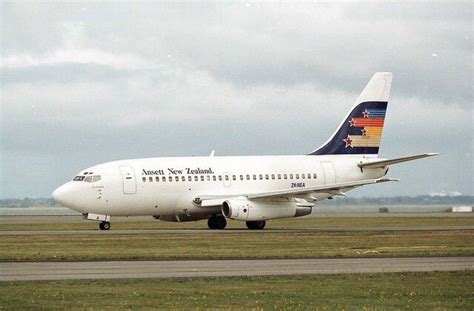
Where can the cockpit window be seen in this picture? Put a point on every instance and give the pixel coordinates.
(92, 179)
(79, 178)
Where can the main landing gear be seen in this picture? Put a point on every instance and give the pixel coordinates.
(105, 225)
(217, 222)
(255, 225)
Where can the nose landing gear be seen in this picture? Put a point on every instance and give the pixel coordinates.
(104, 220)
(104, 225)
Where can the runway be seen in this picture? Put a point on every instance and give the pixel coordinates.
(31, 271)
(231, 230)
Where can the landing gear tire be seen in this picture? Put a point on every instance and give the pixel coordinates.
(105, 225)
(217, 222)
(255, 225)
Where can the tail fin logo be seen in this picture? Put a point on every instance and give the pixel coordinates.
(360, 133)
(370, 125)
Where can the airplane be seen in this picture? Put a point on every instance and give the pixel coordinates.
(253, 189)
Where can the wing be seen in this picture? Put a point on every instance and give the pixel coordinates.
(383, 163)
(335, 189)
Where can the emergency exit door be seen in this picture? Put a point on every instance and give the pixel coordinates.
(129, 181)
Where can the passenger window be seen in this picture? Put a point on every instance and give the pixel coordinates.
(144, 179)
(285, 176)
(233, 177)
(226, 177)
(170, 178)
(208, 178)
(241, 177)
(190, 178)
(297, 176)
(183, 178)
(309, 176)
(260, 176)
(291, 176)
(163, 178)
(279, 176)
(196, 178)
(254, 177)
(176, 178)
(220, 177)
(214, 178)
(315, 176)
(150, 179)
(273, 176)
(157, 179)
(302, 176)
(248, 177)
(202, 177)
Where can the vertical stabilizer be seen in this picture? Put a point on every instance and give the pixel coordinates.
(361, 130)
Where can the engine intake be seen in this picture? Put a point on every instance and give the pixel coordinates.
(226, 210)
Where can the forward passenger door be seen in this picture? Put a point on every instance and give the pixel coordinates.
(129, 181)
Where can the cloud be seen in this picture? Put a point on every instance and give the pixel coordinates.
(330, 45)
(76, 56)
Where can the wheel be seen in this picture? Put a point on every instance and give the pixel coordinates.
(211, 222)
(217, 222)
(255, 225)
(221, 222)
(105, 225)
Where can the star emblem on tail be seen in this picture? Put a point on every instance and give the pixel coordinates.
(348, 141)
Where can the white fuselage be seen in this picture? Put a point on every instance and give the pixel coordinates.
(166, 187)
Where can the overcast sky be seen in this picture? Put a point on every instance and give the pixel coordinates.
(85, 83)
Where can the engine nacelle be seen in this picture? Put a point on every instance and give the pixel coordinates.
(244, 209)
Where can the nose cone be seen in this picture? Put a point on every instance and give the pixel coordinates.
(63, 195)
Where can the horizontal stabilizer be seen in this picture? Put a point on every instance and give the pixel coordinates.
(383, 163)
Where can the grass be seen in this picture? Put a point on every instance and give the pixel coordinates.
(390, 291)
(374, 220)
(231, 245)
(236, 245)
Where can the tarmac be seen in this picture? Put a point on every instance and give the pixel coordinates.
(11, 218)
(35, 271)
(229, 230)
